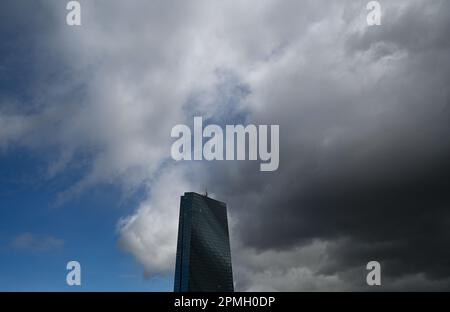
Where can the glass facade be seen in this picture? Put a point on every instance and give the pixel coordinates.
(203, 260)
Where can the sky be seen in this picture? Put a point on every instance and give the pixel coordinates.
(86, 114)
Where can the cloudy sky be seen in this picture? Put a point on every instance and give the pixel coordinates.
(86, 114)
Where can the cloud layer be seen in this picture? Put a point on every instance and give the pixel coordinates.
(363, 114)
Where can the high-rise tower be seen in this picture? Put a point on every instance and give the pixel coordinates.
(203, 260)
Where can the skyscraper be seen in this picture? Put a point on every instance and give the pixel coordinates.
(203, 260)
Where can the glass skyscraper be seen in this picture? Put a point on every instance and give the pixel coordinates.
(203, 260)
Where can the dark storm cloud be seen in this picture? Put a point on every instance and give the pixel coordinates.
(365, 167)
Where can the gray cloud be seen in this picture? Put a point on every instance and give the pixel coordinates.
(364, 152)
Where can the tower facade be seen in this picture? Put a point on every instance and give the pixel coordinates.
(203, 261)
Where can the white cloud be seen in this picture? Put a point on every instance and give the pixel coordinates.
(150, 234)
